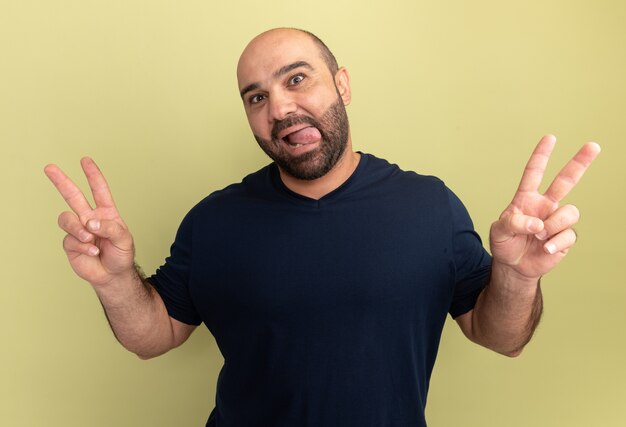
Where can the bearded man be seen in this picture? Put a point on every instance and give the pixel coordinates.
(325, 277)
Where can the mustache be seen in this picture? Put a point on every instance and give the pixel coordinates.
(281, 125)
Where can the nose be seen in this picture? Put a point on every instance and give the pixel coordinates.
(281, 105)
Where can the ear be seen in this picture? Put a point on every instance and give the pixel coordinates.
(342, 83)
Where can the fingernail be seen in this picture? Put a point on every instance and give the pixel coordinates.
(533, 224)
(551, 248)
(94, 225)
(94, 251)
(542, 235)
(84, 236)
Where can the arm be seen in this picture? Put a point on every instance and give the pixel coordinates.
(100, 250)
(138, 317)
(506, 313)
(533, 234)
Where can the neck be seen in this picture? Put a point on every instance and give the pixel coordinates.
(318, 188)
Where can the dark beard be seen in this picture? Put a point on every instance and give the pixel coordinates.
(333, 127)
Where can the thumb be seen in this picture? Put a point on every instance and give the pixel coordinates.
(113, 231)
(514, 224)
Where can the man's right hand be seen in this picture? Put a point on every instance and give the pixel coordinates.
(101, 251)
(98, 244)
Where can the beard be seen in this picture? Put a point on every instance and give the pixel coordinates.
(333, 127)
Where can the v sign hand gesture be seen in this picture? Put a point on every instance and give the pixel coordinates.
(530, 238)
(100, 249)
(98, 244)
(534, 232)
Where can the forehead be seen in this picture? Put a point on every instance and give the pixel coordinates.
(270, 51)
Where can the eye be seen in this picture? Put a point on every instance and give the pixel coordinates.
(296, 79)
(255, 99)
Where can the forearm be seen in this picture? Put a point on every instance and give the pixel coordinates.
(137, 315)
(507, 311)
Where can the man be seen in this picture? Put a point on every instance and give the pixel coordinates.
(326, 276)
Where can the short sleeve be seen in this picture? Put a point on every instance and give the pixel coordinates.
(171, 280)
(472, 262)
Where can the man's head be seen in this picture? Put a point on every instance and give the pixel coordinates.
(294, 95)
(327, 55)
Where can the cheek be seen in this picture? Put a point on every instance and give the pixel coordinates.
(318, 103)
(258, 126)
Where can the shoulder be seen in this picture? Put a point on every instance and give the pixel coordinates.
(390, 177)
(253, 188)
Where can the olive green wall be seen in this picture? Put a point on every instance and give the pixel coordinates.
(458, 89)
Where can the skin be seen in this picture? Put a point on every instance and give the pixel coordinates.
(530, 238)
(532, 235)
(275, 97)
(100, 250)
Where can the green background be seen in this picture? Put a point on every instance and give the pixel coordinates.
(462, 90)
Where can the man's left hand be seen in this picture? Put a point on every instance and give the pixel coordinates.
(535, 232)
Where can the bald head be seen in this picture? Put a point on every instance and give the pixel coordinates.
(294, 96)
(325, 52)
(271, 39)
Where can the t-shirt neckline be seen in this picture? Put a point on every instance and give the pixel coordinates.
(337, 192)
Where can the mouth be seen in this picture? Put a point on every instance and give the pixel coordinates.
(299, 136)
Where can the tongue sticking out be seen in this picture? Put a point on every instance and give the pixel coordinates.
(304, 136)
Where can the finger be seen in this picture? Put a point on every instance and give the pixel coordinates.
(536, 166)
(560, 242)
(569, 176)
(71, 193)
(72, 245)
(117, 234)
(98, 184)
(70, 223)
(514, 224)
(561, 219)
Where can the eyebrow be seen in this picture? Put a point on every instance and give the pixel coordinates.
(280, 72)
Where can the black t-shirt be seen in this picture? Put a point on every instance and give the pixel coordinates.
(327, 312)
